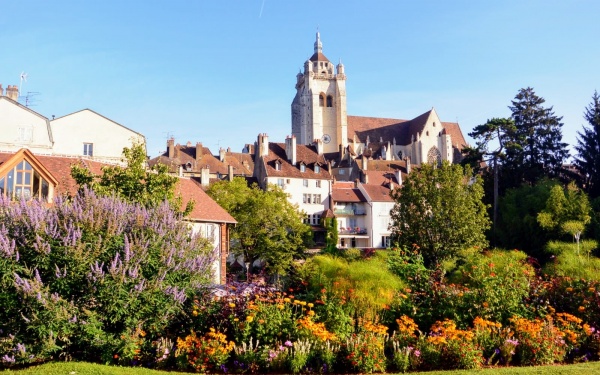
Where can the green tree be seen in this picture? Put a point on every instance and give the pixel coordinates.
(501, 134)
(269, 227)
(588, 149)
(133, 182)
(567, 211)
(537, 150)
(518, 227)
(440, 209)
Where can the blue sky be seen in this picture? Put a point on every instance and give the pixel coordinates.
(221, 71)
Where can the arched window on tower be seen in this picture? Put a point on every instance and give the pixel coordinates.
(321, 100)
(434, 157)
(329, 101)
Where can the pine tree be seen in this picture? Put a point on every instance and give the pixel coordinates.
(588, 149)
(541, 151)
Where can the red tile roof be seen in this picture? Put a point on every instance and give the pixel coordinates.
(304, 154)
(378, 193)
(343, 193)
(205, 208)
(402, 130)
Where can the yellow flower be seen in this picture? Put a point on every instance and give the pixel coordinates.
(280, 307)
(249, 318)
(581, 309)
(232, 305)
(310, 305)
(195, 313)
(287, 300)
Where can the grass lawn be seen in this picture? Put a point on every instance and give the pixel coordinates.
(79, 368)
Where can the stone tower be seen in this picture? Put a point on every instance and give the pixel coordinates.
(319, 107)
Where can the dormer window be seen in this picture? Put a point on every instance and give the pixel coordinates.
(302, 167)
(277, 165)
(317, 168)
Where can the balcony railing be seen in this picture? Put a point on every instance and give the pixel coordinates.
(356, 230)
(348, 211)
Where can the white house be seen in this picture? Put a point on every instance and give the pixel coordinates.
(350, 208)
(81, 134)
(87, 133)
(301, 170)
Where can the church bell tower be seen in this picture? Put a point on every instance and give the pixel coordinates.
(319, 107)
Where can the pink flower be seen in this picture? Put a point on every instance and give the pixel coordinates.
(417, 353)
(288, 343)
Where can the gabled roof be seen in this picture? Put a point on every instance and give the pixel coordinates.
(377, 193)
(9, 160)
(403, 131)
(21, 106)
(205, 208)
(99, 115)
(304, 153)
(382, 172)
(346, 192)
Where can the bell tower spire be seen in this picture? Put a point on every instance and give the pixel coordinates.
(319, 107)
(318, 44)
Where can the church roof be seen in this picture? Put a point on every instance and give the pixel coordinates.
(318, 56)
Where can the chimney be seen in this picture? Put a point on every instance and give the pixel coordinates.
(290, 149)
(180, 171)
(176, 151)
(205, 176)
(342, 152)
(230, 172)
(263, 144)
(228, 149)
(365, 163)
(198, 152)
(399, 177)
(407, 164)
(222, 154)
(1, 90)
(319, 144)
(364, 177)
(12, 92)
(171, 147)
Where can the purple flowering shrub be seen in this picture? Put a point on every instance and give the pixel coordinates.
(93, 278)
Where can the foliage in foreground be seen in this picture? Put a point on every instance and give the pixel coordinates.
(92, 278)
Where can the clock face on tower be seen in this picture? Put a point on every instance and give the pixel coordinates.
(326, 138)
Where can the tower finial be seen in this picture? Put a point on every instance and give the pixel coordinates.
(318, 44)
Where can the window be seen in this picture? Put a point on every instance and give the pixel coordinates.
(317, 168)
(88, 149)
(277, 166)
(316, 198)
(385, 241)
(23, 182)
(342, 171)
(302, 168)
(280, 182)
(306, 198)
(329, 101)
(315, 219)
(306, 219)
(318, 183)
(305, 183)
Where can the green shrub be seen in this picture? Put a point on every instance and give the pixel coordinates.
(94, 278)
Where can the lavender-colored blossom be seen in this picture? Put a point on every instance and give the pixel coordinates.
(21, 348)
(8, 359)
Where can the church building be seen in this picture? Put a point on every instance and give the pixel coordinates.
(319, 114)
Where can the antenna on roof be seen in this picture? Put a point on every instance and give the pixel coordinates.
(23, 78)
(30, 99)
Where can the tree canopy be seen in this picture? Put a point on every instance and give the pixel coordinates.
(269, 227)
(537, 150)
(440, 210)
(567, 211)
(133, 182)
(588, 149)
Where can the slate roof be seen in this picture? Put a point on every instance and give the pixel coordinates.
(318, 56)
(304, 154)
